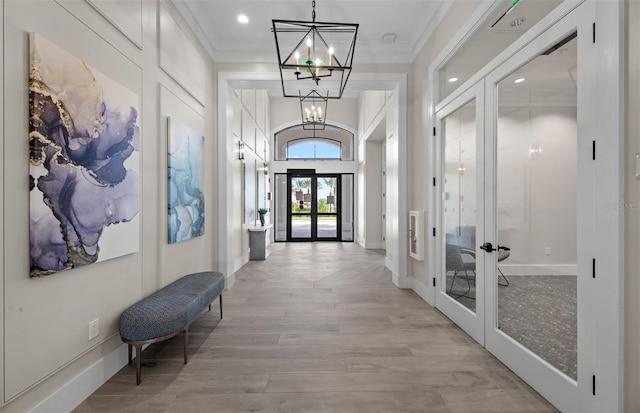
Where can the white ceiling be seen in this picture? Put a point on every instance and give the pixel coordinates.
(412, 21)
(215, 23)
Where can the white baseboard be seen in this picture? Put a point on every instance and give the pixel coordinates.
(422, 290)
(84, 384)
(375, 245)
(230, 280)
(239, 262)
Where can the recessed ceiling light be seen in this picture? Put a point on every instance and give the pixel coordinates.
(519, 80)
(453, 79)
(242, 18)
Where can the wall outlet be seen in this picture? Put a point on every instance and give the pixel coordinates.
(94, 328)
(547, 251)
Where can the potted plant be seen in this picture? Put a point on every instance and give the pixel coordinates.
(261, 213)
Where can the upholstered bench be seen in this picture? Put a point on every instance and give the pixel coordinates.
(168, 312)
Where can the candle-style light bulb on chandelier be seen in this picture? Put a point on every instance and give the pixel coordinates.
(313, 109)
(309, 52)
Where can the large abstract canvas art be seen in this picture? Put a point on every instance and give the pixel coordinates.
(84, 163)
(186, 178)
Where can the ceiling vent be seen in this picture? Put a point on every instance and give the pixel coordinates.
(389, 38)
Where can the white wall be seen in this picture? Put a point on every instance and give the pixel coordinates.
(374, 198)
(420, 143)
(284, 111)
(379, 124)
(251, 127)
(371, 144)
(46, 320)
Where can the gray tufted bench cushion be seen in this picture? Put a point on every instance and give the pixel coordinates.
(169, 311)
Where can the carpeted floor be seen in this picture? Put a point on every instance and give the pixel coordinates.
(538, 311)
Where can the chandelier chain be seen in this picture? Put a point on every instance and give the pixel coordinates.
(313, 13)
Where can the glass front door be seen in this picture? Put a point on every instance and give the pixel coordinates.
(314, 208)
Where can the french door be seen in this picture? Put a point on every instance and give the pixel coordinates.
(314, 210)
(516, 215)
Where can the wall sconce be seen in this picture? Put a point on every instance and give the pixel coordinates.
(241, 150)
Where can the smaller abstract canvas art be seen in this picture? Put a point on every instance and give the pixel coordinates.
(186, 182)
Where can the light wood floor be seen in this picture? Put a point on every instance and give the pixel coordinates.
(319, 327)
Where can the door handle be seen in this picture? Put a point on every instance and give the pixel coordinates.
(501, 247)
(487, 246)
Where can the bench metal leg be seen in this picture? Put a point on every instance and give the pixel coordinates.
(184, 342)
(138, 363)
(220, 306)
(130, 347)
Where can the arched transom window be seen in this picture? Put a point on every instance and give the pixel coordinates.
(332, 143)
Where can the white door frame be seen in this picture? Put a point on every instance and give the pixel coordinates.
(471, 322)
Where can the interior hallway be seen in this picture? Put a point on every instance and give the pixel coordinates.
(319, 327)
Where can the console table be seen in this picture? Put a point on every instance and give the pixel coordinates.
(258, 243)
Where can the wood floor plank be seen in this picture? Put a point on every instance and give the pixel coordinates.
(422, 364)
(503, 400)
(149, 403)
(365, 402)
(380, 338)
(319, 328)
(187, 383)
(306, 351)
(389, 381)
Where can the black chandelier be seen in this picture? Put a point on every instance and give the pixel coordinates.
(311, 51)
(313, 109)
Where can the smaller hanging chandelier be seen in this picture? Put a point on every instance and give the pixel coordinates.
(313, 108)
(311, 51)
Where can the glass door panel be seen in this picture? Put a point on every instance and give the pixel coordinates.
(536, 206)
(459, 205)
(282, 206)
(327, 204)
(301, 208)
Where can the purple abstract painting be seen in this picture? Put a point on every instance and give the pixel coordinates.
(84, 163)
